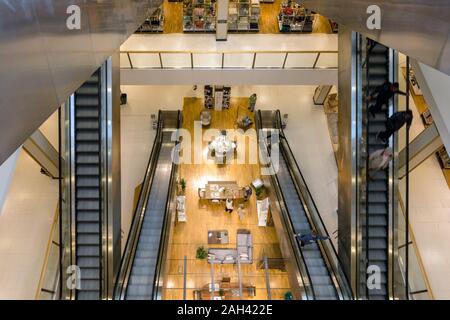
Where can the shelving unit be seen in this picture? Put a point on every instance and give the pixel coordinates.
(199, 15)
(153, 23)
(243, 16)
(217, 97)
(295, 18)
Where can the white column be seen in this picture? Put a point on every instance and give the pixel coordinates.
(6, 173)
(222, 20)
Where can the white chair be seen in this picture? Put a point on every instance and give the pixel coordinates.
(201, 193)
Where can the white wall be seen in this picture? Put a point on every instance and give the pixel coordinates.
(6, 173)
(435, 87)
(231, 77)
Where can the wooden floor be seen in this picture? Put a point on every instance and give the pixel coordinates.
(203, 216)
(268, 22)
(173, 17)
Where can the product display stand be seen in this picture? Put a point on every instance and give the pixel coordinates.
(209, 97)
(243, 16)
(199, 15)
(218, 97)
(295, 18)
(153, 23)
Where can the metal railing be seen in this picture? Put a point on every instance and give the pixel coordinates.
(47, 288)
(283, 59)
(418, 284)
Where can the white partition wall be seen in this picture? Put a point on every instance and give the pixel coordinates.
(6, 174)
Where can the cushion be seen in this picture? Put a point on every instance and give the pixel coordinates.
(229, 258)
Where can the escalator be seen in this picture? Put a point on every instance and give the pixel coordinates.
(327, 282)
(375, 206)
(140, 271)
(88, 202)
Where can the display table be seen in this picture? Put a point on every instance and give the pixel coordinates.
(230, 291)
(222, 147)
(181, 210)
(222, 190)
(218, 237)
(262, 207)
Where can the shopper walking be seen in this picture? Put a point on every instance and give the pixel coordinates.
(310, 238)
(394, 123)
(383, 94)
(379, 160)
(241, 212)
(229, 205)
(252, 102)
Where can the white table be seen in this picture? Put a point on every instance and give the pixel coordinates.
(181, 210)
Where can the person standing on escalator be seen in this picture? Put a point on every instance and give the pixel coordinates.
(310, 238)
(382, 95)
(394, 123)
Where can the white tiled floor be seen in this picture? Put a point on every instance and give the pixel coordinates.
(307, 134)
(25, 224)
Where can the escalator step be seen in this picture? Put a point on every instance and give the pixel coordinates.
(377, 197)
(91, 147)
(139, 291)
(87, 262)
(88, 239)
(88, 295)
(87, 113)
(90, 285)
(87, 136)
(90, 273)
(89, 89)
(88, 124)
(88, 101)
(87, 170)
(88, 227)
(142, 280)
(87, 216)
(88, 181)
(88, 251)
(321, 280)
(87, 204)
(88, 193)
(87, 158)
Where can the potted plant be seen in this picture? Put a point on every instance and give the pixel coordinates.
(259, 192)
(183, 185)
(288, 296)
(222, 293)
(201, 253)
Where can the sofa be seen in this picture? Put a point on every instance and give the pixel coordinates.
(244, 250)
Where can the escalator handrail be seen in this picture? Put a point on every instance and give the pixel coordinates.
(137, 221)
(316, 219)
(299, 257)
(166, 224)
